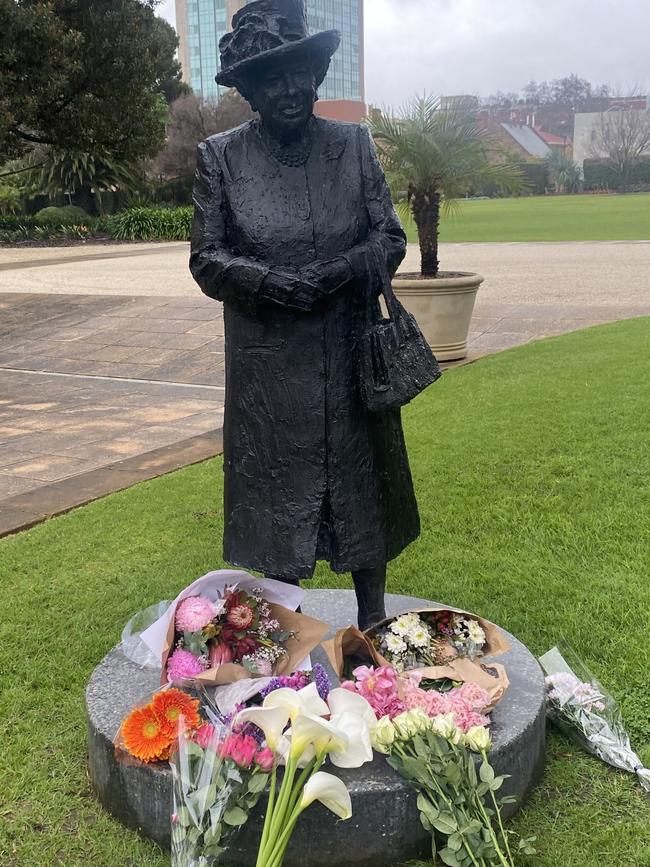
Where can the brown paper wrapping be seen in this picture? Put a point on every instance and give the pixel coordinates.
(352, 642)
(309, 634)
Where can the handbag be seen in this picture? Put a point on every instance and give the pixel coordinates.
(395, 361)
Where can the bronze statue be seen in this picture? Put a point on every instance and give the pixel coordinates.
(292, 214)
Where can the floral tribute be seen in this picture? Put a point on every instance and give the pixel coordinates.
(390, 694)
(218, 776)
(429, 639)
(148, 733)
(299, 680)
(238, 627)
(587, 714)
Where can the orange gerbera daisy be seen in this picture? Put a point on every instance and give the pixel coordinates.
(143, 735)
(169, 705)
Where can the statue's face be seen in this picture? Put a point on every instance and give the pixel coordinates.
(285, 97)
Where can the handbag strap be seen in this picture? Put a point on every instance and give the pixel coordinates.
(380, 275)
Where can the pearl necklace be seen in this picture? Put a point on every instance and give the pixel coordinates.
(292, 155)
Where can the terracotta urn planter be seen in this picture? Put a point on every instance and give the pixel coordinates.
(443, 307)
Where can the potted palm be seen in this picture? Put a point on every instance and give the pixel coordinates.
(434, 156)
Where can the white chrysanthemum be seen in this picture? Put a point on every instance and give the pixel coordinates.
(476, 633)
(402, 624)
(418, 636)
(394, 644)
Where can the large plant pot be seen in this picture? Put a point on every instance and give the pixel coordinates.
(443, 308)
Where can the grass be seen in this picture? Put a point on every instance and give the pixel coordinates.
(548, 218)
(532, 471)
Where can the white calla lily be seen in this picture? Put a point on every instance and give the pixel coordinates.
(284, 751)
(359, 748)
(272, 721)
(304, 701)
(316, 732)
(312, 702)
(330, 791)
(345, 701)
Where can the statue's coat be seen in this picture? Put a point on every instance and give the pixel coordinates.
(309, 473)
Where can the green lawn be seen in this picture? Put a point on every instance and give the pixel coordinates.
(548, 218)
(533, 474)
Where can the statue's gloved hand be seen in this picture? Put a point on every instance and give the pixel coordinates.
(290, 289)
(331, 274)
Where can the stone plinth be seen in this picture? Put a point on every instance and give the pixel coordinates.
(385, 828)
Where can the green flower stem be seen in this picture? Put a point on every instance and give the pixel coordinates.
(277, 855)
(493, 836)
(308, 772)
(269, 809)
(279, 809)
(497, 809)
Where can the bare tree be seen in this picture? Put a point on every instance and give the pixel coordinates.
(192, 119)
(622, 139)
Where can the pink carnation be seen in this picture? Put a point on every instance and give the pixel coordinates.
(474, 694)
(465, 716)
(193, 613)
(183, 664)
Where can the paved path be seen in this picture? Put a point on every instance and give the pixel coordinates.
(112, 368)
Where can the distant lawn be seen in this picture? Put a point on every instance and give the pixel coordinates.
(548, 218)
(532, 470)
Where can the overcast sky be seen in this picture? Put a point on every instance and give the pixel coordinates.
(481, 46)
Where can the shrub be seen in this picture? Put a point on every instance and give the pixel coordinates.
(68, 215)
(17, 223)
(600, 175)
(151, 224)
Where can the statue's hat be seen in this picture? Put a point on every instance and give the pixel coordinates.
(272, 30)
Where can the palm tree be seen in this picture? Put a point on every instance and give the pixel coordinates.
(565, 174)
(435, 156)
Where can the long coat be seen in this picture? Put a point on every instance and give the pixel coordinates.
(309, 473)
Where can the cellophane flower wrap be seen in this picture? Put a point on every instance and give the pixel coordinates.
(219, 775)
(587, 714)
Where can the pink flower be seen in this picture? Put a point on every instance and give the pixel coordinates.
(465, 716)
(265, 759)
(193, 613)
(220, 654)
(241, 616)
(183, 664)
(204, 736)
(379, 687)
(474, 694)
(241, 749)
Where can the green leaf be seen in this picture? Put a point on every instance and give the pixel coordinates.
(455, 842)
(235, 816)
(257, 783)
(425, 806)
(486, 773)
(445, 823)
(447, 856)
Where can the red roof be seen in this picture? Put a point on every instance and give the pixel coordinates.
(549, 138)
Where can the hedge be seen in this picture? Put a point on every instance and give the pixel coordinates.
(599, 175)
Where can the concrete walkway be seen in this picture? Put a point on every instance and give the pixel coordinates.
(112, 366)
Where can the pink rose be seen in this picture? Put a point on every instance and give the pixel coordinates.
(205, 736)
(265, 759)
(240, 749)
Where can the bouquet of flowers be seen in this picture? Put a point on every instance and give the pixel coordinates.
(458, 801)
(236, 627)
(438, 644)
(587, 714)
(429, 638)
(218, 778)
(229, 626)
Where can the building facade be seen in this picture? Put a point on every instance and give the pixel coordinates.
(202, 23)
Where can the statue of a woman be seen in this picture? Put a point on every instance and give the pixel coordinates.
(292, 214)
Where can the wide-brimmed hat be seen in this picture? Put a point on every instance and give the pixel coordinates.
(271, 30)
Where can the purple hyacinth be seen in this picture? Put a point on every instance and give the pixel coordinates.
(299, 680)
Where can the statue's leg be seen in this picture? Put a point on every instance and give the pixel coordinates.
(370, 587)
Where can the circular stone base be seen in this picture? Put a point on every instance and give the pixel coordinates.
(385, 827)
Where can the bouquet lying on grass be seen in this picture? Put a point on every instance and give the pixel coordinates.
(229, 626)
(587, 714)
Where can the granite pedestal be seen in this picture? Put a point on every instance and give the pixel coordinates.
(385, 828)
